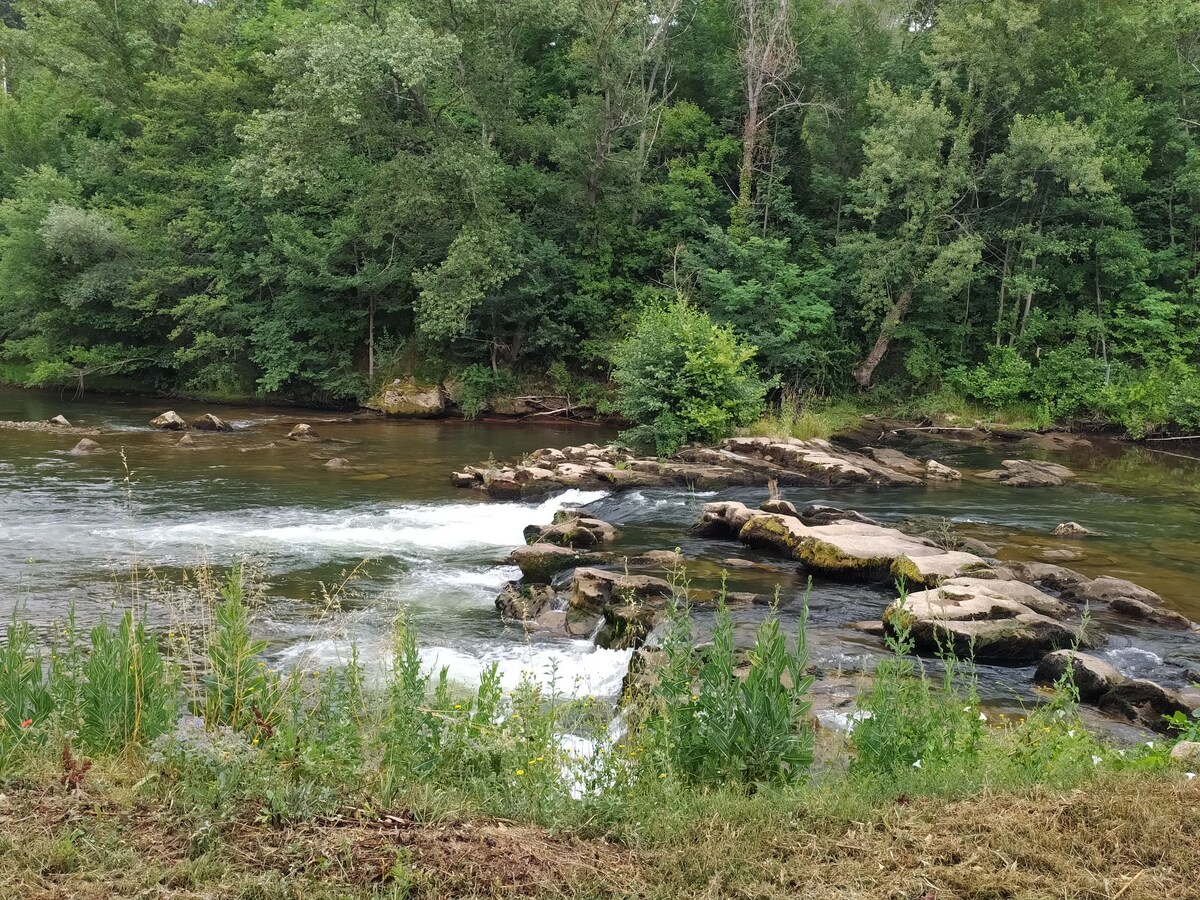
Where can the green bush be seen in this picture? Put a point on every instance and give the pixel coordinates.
(479, 386)
(130, 693)
(715, 725)
(907, 721)
(682, 378)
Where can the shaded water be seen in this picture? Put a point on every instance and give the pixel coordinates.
(73, 528)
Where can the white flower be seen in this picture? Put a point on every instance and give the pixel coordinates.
(1150, 744)
(1096, 760)
(1121, 753)
(982, 717)
(1189, 775)
(917, 764)
(1071, 733)
(966, 709)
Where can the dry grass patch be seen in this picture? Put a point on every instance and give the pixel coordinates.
(1133, 837)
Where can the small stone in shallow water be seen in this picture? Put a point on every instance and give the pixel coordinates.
(85, 447)
(1072, 529)
(168, 421)
(338, 462)
(303, 432)
(60, 422)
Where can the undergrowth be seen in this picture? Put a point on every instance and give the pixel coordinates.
(205, 726)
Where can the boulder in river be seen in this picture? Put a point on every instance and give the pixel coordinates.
(303, 432)
(209, 422)
(857, 550)
(992, 620)
(186, 442)
(85, 447)
(524, 602)
(539, 563)
(1057, 578)
(1106, 589)
(595, 589)
(723, 520)
(1145, 702)
(407, 398)
(1072, 529)
(1093, 676)
(168, 421)
(60, 421)
(573, 530)
(338, 462)
(1029, 473)
(936, 471)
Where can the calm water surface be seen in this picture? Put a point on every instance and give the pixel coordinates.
(83, 530)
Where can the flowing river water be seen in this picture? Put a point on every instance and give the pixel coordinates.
(336, 554)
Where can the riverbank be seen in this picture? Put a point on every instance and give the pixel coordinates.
(1131, 836)
(341, 783)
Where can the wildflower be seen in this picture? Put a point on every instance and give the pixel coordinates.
(1071, 733)
(662, 774)
(520, 771)
(458, 706)
(1096, 760)
(1189, 775)
(982, 717)
(917, 764)
(1150, 744)
(27, 723)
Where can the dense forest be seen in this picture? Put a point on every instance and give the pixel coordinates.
(995, 198)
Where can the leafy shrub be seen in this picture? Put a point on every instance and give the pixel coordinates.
(479, 386)
(130, 694)
(1149, 400)
(239, 690)
(906, 721)
(715, 725)
(682, 378)
(1004, 380)
(24, 700)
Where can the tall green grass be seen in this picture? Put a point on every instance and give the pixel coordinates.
(221, 734)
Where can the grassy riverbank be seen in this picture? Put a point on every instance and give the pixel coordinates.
(182, 765)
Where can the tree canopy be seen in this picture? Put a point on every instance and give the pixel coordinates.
(298, 197)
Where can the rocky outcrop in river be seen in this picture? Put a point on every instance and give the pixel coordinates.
(733, 462)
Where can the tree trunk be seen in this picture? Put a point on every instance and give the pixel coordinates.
(371, 340)
(864, 371)
(1028, 300)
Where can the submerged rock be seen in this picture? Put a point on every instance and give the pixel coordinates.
(407, 398)
(168, 421)
(1072, 529)
(86, 447)
(303, 432)
(209, 422)
(186, 441)
(338, 462)
(1029, 473)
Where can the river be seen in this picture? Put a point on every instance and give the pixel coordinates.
(336, 554)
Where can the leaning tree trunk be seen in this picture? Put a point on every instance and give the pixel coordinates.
(864, 371)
